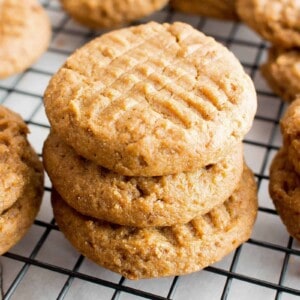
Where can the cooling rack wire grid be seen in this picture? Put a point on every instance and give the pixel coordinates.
(44, 265)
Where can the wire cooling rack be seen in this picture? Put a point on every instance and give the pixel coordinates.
(44, 265)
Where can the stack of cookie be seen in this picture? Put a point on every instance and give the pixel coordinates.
(285, 172)
(21, 180)
(278, 21)
(145, 152)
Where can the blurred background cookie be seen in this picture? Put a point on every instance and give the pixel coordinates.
(278, 21)
(24, 35)
(282, 72)
(209, 8)
(110, 13)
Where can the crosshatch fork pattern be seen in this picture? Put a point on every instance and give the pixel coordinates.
(44, 264)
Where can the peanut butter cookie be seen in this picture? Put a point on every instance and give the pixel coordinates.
(282, 72)
(139, 201)
(151, 100)
(108, 13)
(285, 192)
(21, 180)
(278, 21)
(163, 251)
(24, 35)
(290, 127)
(209, 8)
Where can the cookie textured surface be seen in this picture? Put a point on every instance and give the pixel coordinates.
(108, 13)
(24, 35)
(163, 251)
(278, 21)
(210, 8)
(151, 100)
(139, 201)
(285, 192)
(14, 169)
(282, 72)
(15, 219)
(290, 127)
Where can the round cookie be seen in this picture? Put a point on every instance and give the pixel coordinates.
(15, 221)
(108, 13)
(151, 100)
(24, 35)
(13, 169)
(282, 72)
(163, 251)
(290, 127)
(285, 191)
(278, 21)
(139, 201)
(209, 8)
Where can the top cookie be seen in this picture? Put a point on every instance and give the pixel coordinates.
(278, 21)
(107, 13)
(151, 100)
(210, 8)
(24, 35)
(290, 127)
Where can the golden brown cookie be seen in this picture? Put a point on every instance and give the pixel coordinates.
(285, 191)
(13, 169)
(278, 21)
(139, 201)
(209, 8)
(290, 127)
(163, 251)
(16, 220)
(108, 13)
(24, 35)
(151, 100)
(282, 72)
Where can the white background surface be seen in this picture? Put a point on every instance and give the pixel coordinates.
(263, 258)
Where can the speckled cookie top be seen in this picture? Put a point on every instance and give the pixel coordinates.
(139, 201)
(108, 13)
(163, 251)
(278, 21)
(151, 100)
(24, 34)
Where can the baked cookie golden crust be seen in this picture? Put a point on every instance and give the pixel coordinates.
(209, 8)
(290, 127)
(163, 251)
(16, 220)
(13, 168)
(282, 72)
(108, 13)
(24, 35)
(285, 191)
(278, 21)
(151, 100)
(139, 201)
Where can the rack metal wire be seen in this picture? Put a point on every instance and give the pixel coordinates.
(44, 266)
